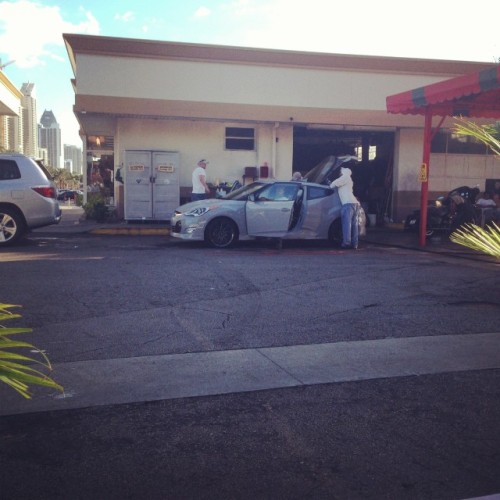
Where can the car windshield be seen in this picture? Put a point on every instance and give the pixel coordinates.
(243, 192)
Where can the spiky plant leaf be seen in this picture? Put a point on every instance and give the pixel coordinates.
(487, 134)
(15, 369)
(485, 240)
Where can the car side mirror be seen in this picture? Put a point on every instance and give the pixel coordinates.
(251, 197)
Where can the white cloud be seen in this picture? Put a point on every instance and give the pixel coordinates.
(125, 17)
(30, 46)
(202, 12)
(435, 30)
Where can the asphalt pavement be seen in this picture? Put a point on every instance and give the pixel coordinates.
(391, 234)
(233, 417)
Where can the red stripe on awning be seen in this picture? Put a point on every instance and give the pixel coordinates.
(476, 94)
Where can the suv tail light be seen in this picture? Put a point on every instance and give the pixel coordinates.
(46, 192)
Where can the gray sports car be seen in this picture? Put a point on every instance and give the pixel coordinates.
(268, 209)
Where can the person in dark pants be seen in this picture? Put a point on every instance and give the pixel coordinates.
(200, 187)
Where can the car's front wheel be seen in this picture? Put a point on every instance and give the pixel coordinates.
(11, 226)
(221, 233)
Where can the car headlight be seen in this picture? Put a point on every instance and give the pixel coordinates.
(197, 212)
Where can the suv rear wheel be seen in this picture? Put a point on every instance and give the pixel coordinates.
(12, 226)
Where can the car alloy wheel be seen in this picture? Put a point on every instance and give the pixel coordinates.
(11, 226)
(221, 233)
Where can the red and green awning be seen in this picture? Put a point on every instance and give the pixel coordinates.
(473, 95)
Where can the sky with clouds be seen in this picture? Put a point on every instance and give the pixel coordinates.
(31, 33)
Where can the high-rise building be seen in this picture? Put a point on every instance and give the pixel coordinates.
(11, 132)
(29, 120)
(50, 138)
(73, 159)
(43, 155)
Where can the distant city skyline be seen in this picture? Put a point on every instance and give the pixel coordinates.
(38, 137)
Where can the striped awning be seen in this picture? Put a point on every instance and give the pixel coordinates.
(473, 95)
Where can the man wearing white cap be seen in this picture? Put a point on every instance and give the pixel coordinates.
(200, 187)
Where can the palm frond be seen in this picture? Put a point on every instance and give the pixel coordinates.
(15, 369)
(485, 240)
(487, 134)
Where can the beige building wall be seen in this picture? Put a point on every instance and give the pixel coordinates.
(180, 97)
(203, 139)
(240, 84)
(219, 90)
(471, 170)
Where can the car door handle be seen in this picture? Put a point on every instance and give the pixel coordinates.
(285, 210)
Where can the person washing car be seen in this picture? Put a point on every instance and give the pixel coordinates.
(349, 210)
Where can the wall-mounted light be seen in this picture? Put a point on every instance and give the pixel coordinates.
(96, 140)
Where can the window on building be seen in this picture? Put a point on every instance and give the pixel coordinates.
(240, 138)
(447, 142)
(439, 141)
(372, 152)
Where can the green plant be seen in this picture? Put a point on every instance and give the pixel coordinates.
(79, 200)
(487, 134)
(485, 240)
(96, 207)
(14, 369)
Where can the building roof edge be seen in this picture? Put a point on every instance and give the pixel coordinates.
(154, 49)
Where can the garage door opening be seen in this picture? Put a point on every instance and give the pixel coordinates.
(372, 176)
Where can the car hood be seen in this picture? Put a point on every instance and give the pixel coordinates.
(325, 171)
(198, 204)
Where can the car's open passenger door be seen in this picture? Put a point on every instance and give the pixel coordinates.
(269, 212)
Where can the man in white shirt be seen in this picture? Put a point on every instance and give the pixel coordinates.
(200, 187)
(486, 201)
(488, 208)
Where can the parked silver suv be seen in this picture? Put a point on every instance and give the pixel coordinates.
(28, 197)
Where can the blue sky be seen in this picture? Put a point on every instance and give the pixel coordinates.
(31, 33)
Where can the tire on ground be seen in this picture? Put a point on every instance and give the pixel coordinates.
(12, 226)
(221, 232)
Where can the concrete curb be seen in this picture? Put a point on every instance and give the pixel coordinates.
(132, 231)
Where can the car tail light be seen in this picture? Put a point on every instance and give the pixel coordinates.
(46, 192)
